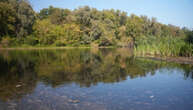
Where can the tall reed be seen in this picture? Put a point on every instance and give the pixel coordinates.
(163, 46)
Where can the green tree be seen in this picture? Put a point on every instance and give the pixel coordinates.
(25, 18)
(134, 27)
(43, 30)
(7, 19)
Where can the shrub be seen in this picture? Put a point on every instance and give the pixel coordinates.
(31, 40)
(7, 41)
(60, 43)
(186, 50)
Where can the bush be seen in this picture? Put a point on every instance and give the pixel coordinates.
(30, 40)
(105, 42)
(60, 43)
(186, 50)
(7, 41)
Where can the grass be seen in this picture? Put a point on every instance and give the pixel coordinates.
(164, 46)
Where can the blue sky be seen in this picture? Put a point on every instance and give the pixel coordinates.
(176, 12)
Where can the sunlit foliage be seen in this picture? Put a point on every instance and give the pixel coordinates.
(85, 26)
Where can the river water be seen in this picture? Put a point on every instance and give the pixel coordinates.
(92, 79)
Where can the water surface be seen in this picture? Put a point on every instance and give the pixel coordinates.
(92, 79)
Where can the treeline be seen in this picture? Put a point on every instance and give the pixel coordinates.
(85, 26)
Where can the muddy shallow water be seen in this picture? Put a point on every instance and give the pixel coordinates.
(92, 79)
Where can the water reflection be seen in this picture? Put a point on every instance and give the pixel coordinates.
(21, 71)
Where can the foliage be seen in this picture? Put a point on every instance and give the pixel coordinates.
(91, 27)
(7, 19)
(16, 18)
(164, 46)
(7, 41)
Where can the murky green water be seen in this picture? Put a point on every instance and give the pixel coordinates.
(92, 79)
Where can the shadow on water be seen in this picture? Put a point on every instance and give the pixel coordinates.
(23, 71)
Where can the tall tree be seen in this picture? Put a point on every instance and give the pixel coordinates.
(25, 18)
(7, 19)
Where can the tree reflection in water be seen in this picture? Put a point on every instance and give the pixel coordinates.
(85, 67)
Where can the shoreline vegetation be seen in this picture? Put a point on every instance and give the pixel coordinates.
(21, 27)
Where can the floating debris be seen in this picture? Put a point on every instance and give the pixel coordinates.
(151, 97)
(18, 85)
(73, 101)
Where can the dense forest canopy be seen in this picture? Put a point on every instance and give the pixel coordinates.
(20, 25)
